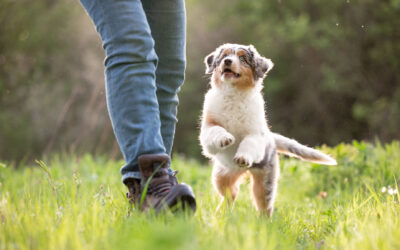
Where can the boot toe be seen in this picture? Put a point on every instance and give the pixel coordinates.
(181, 197)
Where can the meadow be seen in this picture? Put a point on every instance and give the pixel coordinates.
(70, 202)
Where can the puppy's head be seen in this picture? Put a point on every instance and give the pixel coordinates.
(238, 65)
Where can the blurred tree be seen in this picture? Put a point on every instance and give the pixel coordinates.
(50, 74)
(336, 75)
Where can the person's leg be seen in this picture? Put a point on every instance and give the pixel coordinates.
(130, 64)
(167, 20)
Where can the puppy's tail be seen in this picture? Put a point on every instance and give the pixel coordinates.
(291, 147)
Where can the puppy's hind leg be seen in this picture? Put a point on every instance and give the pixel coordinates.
(264, 185)
(226, 183)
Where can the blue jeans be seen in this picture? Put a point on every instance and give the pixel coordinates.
(145, 62)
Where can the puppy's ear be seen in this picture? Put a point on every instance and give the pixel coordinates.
(209, 61)
(261, 64)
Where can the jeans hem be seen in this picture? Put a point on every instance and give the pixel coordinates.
(137, 175)
(131, 175)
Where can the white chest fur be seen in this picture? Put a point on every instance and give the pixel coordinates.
(239, 112)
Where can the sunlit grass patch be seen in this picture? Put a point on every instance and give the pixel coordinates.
(69, 202)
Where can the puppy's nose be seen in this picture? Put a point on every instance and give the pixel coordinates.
(228, 62)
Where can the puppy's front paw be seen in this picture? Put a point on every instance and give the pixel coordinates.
(243, 160)
(224, 141)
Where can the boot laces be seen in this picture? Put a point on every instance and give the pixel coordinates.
(160, 186)
(160, 189)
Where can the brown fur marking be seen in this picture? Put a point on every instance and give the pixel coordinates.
(227, 51)
(241, 52)
(246, 79)
(217, 78)
(259, 191)
(227, 184)
(210, 120)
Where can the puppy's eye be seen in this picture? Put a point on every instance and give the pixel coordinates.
(242, 59)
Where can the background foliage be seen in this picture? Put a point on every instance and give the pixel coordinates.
(336, 75)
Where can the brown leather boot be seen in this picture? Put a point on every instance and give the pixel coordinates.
(133, 194)
(163, 190)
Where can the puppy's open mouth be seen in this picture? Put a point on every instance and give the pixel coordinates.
(229, 72)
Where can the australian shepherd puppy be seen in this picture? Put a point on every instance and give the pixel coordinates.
(234, 130)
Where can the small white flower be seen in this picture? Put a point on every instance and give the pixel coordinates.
(390, 191)
(383, 189)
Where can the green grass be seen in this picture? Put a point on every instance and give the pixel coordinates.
(79, 203)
